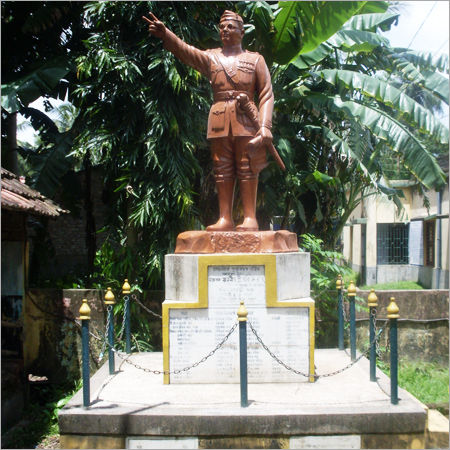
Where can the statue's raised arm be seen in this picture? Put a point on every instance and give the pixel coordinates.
(155, 27)
(235, 75)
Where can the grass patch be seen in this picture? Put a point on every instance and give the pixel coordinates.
(428, 382)
(399, 285)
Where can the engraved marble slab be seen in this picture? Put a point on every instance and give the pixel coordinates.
(228, 285)
(194, 333)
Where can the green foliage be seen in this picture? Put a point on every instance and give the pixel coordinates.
(141, 334)
(400, 285)
(390, 96)
(336, 129)
(325, 267)
(428, 382)
(133, 97)
(347, 105)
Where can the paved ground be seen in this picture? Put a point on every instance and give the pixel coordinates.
(132, 402)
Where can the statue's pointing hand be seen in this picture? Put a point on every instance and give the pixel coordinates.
(156, 27)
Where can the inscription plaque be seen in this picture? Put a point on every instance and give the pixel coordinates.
(193, 333)
(228, 285)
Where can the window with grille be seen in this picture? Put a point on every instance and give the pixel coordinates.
(428, 242)
(392, 243)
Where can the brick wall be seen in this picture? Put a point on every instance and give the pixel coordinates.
(68, 232)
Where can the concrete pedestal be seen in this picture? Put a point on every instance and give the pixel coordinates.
(203, 293)
(134, 409)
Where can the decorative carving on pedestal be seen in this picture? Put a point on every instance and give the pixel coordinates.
(201, 242)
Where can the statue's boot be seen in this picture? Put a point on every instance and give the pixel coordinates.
(249, 189)
(225, 193)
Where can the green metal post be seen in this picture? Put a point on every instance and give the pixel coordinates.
(85, 356)
(111, 339)
(242, 318)
(373, 353)
(393, 316)
(109, 302)
(372, 301)
(351, 297)
(352, 329)
(340, 314)
(127, 325)
(85, 316)
(126, 291)
(394, 361)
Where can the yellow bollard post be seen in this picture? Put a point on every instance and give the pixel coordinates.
(126, 289)
(109, 302)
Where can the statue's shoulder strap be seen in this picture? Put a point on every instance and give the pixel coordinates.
(229, 68)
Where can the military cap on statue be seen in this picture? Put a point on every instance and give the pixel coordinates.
(230, 15)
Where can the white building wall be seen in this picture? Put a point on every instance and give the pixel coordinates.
(379, 209)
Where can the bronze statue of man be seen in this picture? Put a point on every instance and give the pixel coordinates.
(237, 130)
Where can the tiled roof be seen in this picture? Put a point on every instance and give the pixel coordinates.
(17, 196)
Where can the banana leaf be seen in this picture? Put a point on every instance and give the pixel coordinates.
(417, 159)
(342, 147)
(307, 60)
(357, 41)
(302, 26)
(424, 60)
(390, 96)
(370, 22)
(374, 7)
(50, 164)
(42, 81)
(408, 70)
(437, 84)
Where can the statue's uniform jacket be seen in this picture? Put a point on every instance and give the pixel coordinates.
(252, 75)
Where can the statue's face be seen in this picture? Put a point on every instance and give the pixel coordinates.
(230, 32)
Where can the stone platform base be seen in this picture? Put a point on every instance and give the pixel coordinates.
(236, 242)
(134, 409)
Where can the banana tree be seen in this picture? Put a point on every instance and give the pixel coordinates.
(342, 103)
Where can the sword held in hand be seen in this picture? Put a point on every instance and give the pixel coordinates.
(252, 112)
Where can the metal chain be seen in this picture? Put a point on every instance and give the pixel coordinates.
(373, 318)
(105, 338)
(377, 344)
(316, 376)
(388, 342)
(135, 298)
(125, 356)
(364, 353)
(125, 315)
(278, 360)
(344, 312)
